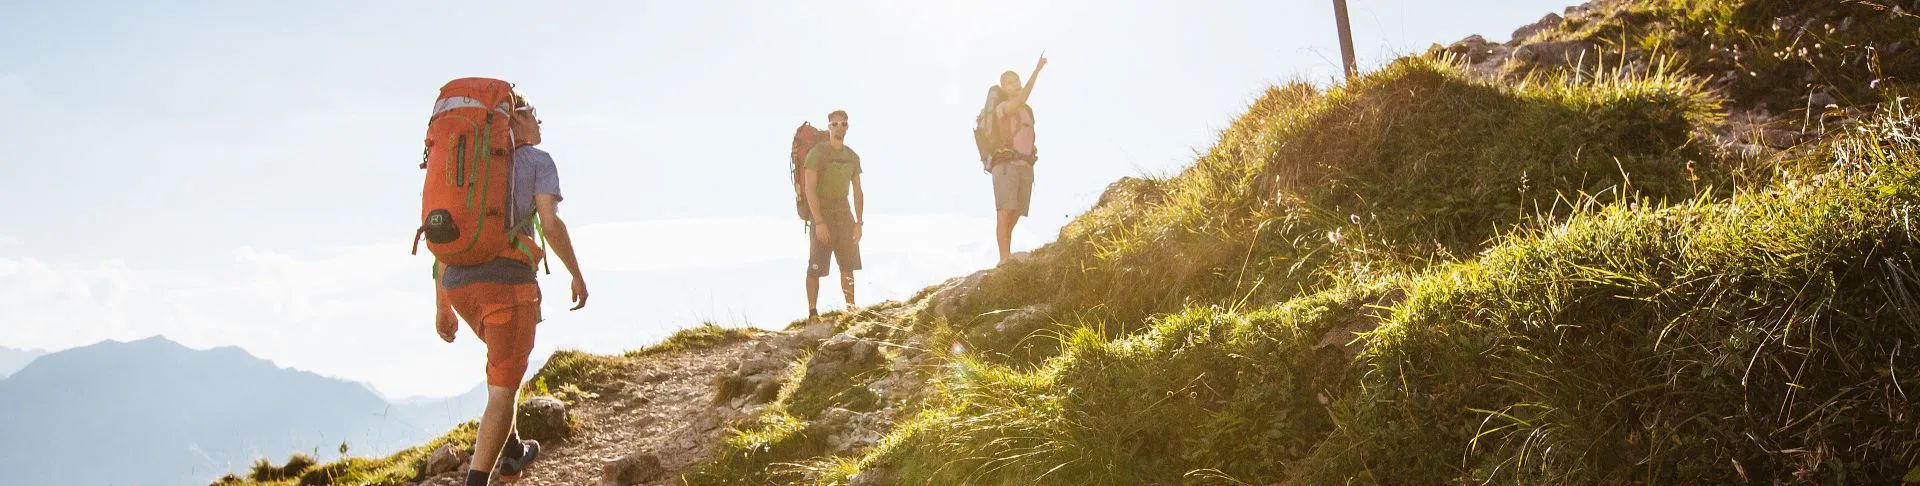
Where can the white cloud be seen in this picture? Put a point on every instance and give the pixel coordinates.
(41, 302)
(363, 312)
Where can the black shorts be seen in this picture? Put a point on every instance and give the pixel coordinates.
(842, 246)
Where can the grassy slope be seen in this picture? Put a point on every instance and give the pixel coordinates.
(1597, 341)
(1756, 338)
(1405, 166)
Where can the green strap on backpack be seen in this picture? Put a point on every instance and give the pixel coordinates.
(533, 219)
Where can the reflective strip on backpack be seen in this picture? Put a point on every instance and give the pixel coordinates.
(453, 102)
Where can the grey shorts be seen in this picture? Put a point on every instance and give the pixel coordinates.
(841, 246)
(1013, 186)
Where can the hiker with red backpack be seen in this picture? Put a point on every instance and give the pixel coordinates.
(1003, 133)
(488, 195)
(825, 169)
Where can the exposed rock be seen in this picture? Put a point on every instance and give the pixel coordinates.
(635, 468)
(544, 418)
(1545, 23)
(946, 300)
(897, 386)
(874, 477)
(710, 421)
(764, 392)
(1562, 53)
(761, 364)
(863, 351)
(815, 331)
(726, 388)
(1020, 323)
(1476, 49)
(756, 377)
(445, 480)
(849, 431)
(446, 459)
(840, 354)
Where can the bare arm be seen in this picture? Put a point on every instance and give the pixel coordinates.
(859, 201)
(810, 178)
(1027, 90)
(445, 323)
(560, 242)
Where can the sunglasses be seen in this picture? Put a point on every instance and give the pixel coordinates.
(530, 112)
(837, 124)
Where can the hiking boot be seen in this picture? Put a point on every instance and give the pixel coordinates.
(510, 468)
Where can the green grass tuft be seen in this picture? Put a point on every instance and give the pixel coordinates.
(706, 335)
(398, 469)
(1758, 338)
(1410, 165)
(1768, 53)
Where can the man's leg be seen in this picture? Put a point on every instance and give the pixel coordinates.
(495, 423)
(846, 286)
(1006, 205)
(813, 295)
(504, 317)
(818, 255)
(1021, 179)
(1003, 231)
(846, 250)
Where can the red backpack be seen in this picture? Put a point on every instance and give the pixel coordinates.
(804, 138)
(469, 176)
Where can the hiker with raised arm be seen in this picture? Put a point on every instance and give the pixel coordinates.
(489, 195)
(1003, 132)
(830, 169)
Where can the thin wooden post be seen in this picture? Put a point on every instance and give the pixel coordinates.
(1346, 38)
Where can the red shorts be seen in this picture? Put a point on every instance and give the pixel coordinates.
(504, 316)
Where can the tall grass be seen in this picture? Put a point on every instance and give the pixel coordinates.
(1758, 338)
(1413, 164)
(1769, 53)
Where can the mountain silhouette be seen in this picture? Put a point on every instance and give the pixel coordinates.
(153, 411)
(12, 360)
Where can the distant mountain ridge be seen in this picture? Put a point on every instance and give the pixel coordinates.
(12, 360)
(163, 413)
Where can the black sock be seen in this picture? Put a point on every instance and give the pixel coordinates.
(477, 477)
(513, 448)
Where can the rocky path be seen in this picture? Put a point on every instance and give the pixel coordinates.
(653, 422)
(652, 418)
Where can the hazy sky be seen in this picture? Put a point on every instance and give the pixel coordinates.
(245, 173)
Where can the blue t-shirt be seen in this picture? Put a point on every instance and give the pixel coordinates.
(533, 173)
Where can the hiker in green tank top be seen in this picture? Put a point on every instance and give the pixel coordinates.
(832, 169)
(1012, 163)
